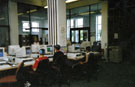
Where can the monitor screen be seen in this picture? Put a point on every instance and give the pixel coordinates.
(42, 51)
(1, 52)
(28, 51)
(63, 49)
(35, 48)
(49, 49)
(77, 47)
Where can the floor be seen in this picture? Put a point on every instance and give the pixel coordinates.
(110, 75)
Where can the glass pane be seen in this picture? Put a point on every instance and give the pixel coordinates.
(99, 6)
(68, 28)
(94, 7)
(76, 36)
(84, 35)
(45, 36)
(4, 36)
(99, 19)
(79, 14)
(3, 12)
(39, 15)
(73, 36)
(99, 27)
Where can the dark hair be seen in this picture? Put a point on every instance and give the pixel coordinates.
(57, 47)
(42, 52)
(88, 48)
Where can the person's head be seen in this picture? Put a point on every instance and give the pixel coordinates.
(57, 48)
(88, 48)
(94, 43)
(42, 52)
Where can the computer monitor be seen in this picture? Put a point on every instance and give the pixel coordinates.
(42, 51)
(43, 47)
(21, 52)
(28, 50)
(63, 49)
(35, 48)
(1, 52)
(12, 49)
(84, 44)
(74, 48)
(49, 49)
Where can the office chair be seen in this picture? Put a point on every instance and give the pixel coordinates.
(91, 65)
(62, 75)
(13, 80)
(41, 76)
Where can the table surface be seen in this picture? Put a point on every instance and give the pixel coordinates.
(29, 63)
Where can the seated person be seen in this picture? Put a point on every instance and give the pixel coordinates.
(57, 60)
(41, 57)
(88, 50)
(96, 47)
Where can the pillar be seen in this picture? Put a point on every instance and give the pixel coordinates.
(13, 23)
(104, 40)
(57, 22)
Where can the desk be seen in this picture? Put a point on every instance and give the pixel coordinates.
(73, 56)
(8, 67)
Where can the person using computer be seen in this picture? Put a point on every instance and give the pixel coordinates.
(57, 60)
(88, 50)
(41, 57)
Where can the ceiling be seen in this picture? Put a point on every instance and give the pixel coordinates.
(41, 3)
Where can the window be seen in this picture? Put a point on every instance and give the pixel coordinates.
(35, 26)
(79, 22)
(98, 27)
(26, 26)
(79, 34)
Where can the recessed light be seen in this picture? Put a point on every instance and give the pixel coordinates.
(69, 1)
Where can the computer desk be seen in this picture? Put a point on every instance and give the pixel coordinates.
(72, 56)
(9, 67)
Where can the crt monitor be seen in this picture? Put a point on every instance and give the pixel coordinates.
(12, 49)
(49, 49)
(28, 50)
(42, 51)
(35, 48)
(63, 49)
(1, 52)
(21, 52)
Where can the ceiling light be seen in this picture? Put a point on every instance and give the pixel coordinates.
(46, 7)
(69, 1)
(20, 14)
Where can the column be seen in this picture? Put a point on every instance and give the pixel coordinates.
(104, 40)
(57, 22)
(13, 23)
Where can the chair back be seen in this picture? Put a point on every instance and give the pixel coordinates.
(43, 66)
(19, 71)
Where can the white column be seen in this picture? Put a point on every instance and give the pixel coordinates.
(104, 40)
(57, 22)
(13, 23)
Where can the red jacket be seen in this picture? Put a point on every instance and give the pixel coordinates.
(37, 62)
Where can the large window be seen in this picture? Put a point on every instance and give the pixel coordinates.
(98, 27)
(26, 26)
(81, 18)
(4, 25)
(33, 21)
